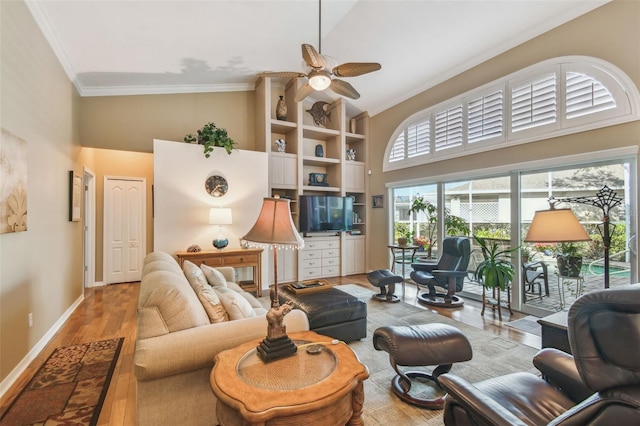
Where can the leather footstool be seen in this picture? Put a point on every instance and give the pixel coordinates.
(386, 280)
(421, 345)
(331, 312)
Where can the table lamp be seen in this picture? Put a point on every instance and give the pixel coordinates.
(275, 229)
(220, 216)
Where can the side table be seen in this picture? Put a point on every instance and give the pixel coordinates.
(402, 249)
(322, 389)
(561, 286)
(238, 258)
(553, 329)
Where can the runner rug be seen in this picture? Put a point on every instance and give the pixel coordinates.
(69, 388)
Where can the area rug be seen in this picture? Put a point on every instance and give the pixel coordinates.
(69, 388)
(528, 324)
(492, 356)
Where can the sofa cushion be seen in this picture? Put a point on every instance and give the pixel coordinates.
(213, 276)
(167, 303)
(237, 307)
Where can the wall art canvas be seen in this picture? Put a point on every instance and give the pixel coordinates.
(13, 183)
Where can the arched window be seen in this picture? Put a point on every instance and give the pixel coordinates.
(556, 97)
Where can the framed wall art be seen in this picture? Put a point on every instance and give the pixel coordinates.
(13, 183)
(377, 201)
(75, 196)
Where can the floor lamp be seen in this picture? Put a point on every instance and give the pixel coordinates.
(275, 229)
(561, 225)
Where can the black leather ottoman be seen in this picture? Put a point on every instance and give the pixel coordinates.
(331, 312)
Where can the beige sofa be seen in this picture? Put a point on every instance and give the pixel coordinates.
(176, 343)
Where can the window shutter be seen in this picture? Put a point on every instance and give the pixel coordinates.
(448, 128)
(418, 139)
(397, 152)
(485, 117)
(585, 95)
(534, 103)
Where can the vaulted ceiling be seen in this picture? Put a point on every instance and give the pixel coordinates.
(147, 47)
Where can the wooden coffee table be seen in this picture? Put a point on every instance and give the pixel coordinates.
(322, 389)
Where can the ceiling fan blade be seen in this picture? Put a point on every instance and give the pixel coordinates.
(343, 88)
(352, 69)
(303, 92)
(312, 57)
(287, 74)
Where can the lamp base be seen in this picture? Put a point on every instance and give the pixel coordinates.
(275, 348)
(220, 243)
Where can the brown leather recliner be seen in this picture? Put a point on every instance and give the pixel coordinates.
(598, 385)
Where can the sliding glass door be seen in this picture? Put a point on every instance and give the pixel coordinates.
(488, 207)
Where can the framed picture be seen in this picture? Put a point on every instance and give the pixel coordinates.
(75, 196)
(377, 201)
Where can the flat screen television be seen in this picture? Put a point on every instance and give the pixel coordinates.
(325, 213)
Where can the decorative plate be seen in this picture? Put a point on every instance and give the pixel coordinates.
(216, 186)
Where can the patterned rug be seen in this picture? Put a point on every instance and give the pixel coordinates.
(69, 388)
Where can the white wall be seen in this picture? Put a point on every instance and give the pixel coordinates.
(181, 203)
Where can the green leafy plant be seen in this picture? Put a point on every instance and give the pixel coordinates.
(211, 136)
(496, 270)
(454, 225)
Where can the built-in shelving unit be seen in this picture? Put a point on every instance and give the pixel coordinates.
(289, 171)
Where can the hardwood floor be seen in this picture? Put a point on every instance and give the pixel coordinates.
(110, 311)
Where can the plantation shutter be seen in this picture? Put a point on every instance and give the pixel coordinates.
(585, 95)
(397, 151)
(448, 128)
(534, 104)
(418, 139)
(485, 117)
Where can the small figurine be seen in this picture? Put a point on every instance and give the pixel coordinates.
(194, 249)
(281, 144)
(319, 113)
(351, 154)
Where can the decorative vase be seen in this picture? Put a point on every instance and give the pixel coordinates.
(319, 150)
(281, 109)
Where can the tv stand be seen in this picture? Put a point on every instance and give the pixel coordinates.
(319, 258)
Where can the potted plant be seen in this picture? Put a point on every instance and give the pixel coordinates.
(453, 225)
(403, 233)
(569, 260)
(496, 270)
(211, 136)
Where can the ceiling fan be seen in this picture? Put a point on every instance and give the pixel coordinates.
(322, 71)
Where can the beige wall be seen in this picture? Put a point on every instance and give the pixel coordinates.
(131, 123)
(40, 269)
(611, 33)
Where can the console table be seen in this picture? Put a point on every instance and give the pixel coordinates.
(322, 388)
(238, 258)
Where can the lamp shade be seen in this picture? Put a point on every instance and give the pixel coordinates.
(555, 226)
(220, 216)
(275, 226)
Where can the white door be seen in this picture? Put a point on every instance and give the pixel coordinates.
(124, 229)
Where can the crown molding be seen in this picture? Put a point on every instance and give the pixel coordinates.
(164, 89)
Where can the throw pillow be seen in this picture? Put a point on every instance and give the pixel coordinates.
(236, 306)
(194, 275)
(208, 298)
(214, 277)
(212, 305)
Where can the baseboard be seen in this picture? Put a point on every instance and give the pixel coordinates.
(6, 384)
(96, 284)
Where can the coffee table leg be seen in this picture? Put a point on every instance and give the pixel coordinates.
(357, 401)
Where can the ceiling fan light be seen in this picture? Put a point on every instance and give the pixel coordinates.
(319, 80)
